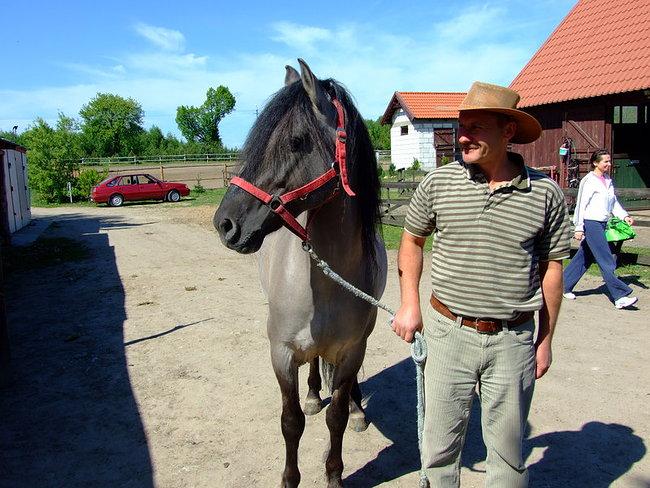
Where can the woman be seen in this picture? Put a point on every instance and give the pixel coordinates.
(595, 205)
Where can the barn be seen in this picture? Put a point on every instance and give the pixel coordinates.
(15, 207)
(423, 127)
(589, 86)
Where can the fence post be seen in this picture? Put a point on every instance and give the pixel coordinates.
(162, 172)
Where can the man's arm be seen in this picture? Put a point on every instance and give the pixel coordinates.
(550, 274)
(408, 318)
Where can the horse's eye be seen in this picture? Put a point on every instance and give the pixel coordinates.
(297, 144)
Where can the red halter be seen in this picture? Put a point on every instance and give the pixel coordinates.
(277, 202)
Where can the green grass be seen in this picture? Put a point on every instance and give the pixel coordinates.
(38, 201)
(208, 197)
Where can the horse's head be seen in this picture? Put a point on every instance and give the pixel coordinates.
(291, 144)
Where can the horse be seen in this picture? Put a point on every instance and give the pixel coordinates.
(310, 171)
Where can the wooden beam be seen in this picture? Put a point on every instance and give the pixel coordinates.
(583, 133)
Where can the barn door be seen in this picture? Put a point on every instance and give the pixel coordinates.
(631, 131)
(444, 141)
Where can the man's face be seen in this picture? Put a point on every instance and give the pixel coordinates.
(482, 138)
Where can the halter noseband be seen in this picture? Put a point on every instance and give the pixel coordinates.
(277, 202)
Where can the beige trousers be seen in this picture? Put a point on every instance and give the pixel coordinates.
(502, 365)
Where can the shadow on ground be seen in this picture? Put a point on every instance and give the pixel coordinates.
(595, 456)
(69, 417)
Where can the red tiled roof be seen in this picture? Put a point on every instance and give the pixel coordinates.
(600, 48)
(424, 105)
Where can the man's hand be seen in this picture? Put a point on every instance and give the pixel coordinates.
(579, 235)
(629, 220)
(407, 321)
(543, 358)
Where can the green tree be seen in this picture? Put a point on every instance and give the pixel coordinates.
(201, 124)
(152, 141)
(379, 134)
(54, 155)
(112, 125)
(9, 136)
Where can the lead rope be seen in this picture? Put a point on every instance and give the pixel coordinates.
(418, 346)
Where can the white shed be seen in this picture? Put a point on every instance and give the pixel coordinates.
(423, 127)
(14, 189)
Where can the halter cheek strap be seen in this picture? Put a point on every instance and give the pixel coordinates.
(277, 202)
(340, 152)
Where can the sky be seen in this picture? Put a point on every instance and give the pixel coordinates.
(58, 55)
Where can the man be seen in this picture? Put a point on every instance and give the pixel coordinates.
(500, 232)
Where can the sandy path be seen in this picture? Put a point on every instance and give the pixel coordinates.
(147, 365)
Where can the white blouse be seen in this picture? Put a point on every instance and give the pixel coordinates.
(596, 201)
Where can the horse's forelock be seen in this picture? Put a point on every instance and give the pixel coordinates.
(291, 105)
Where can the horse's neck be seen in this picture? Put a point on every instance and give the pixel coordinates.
(335, 231)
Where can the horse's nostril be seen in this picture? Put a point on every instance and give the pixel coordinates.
(225, 225)
(229, 230)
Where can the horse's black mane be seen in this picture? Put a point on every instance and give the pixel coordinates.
(361, 162)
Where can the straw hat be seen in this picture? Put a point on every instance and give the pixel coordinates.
(494, 98)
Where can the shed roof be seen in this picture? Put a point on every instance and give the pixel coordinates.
(601, 47)
(424, 105)
(5, 144)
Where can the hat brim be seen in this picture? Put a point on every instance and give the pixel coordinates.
(528, 128)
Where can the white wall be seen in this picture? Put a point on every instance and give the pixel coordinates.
(403, 148)
(418, 143)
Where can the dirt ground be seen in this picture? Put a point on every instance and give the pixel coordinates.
(146, 364)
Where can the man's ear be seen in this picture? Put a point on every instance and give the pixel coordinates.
(510, 129)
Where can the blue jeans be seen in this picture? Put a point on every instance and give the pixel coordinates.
(594, 248)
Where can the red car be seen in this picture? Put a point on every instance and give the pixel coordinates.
(115, 190)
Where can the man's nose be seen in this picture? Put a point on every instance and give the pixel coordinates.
(462, 138)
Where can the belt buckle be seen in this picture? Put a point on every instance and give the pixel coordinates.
(484, 331)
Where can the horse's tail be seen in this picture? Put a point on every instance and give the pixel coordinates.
(327, 375)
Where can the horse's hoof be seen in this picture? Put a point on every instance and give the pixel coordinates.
(313, 406)
(335, 482)
(357, 423)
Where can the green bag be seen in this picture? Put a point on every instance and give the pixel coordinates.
(618, 230)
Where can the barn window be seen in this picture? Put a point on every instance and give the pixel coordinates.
(404, 130)
(626, 114)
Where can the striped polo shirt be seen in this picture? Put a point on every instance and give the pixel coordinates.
(487, 243)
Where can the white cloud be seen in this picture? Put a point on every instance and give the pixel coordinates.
(300, 37)
(166, 39)
(370, 61)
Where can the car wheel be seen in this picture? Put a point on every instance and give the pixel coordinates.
(116, 200)
(173, 196)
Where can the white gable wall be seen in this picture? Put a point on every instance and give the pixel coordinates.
(417, 144)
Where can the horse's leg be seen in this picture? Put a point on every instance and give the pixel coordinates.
(292, 420)
(337, 418)
(357, 421)
(313, 402)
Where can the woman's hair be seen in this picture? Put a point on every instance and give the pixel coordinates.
(596, 155)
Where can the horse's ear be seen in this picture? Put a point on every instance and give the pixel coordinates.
(291, 76)
(312, 87)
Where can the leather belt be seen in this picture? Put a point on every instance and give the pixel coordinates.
(482, 325)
